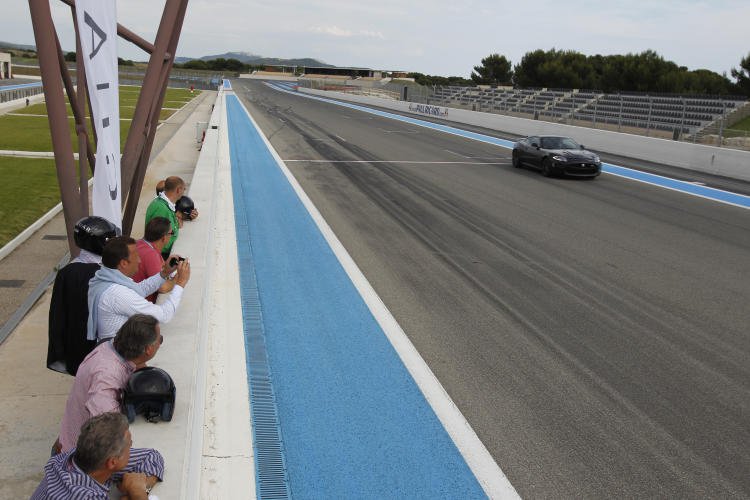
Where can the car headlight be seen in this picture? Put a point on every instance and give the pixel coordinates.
(559, 158)
(596, 159)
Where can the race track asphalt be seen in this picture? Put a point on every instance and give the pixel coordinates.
(594, 333)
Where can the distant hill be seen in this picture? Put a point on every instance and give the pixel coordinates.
(248, 58)
(245, 57)
(17, 46)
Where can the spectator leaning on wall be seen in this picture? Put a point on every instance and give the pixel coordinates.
(157, 233)
(104, 373)
(164, 206)
(103, 456)
(114, 297)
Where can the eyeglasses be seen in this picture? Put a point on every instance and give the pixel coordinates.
(169, 233)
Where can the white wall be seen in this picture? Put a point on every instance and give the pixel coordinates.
(721, 161)
(265, 76)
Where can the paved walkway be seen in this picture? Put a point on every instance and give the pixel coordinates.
(32, 397)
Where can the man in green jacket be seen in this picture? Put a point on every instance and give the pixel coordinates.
(164, 206)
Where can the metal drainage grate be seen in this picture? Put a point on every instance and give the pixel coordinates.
(57, 237)
(270, 466)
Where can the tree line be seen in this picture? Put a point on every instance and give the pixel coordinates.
(220, 64)
(564, 69)
(561, 69)
(71, 57)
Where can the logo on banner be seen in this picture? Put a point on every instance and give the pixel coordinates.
(426, 109)
(98, 37)
(94, 29)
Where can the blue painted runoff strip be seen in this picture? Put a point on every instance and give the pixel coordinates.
(3, 88)
(682, 186)
(629, 173)
(227, 84)
(353, 421)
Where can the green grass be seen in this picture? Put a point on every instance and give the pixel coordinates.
(31, 133)
(28, 191)
(126, 110)
(174, 98)
(29, 186)
(743, 124)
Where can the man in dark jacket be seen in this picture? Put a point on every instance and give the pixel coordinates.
(68, 310)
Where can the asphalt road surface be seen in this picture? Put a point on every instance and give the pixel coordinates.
(594, 333)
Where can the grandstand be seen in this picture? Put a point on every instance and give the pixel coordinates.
(675, 115)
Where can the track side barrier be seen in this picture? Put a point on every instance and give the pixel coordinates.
(710, 159)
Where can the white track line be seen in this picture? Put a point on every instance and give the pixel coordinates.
(402, 161)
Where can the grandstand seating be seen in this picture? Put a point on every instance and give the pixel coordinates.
(312, 76)
(687, 114)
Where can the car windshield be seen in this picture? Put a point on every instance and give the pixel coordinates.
(558, 143)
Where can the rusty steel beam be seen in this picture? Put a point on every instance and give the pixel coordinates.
(76, 104)
(125, 33)
(146, 116)
(57, 114)
(137, 149)
(84, 147)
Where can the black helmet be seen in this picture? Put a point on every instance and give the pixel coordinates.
(149, 391)
(185, 205)
(92, 233)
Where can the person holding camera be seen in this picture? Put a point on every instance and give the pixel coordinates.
(114, 297)
(157, 234)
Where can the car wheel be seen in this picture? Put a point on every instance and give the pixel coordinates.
(515, 160)
(547, 167)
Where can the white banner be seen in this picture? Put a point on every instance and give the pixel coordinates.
(97, 28)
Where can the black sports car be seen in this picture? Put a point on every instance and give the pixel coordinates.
(554, 155)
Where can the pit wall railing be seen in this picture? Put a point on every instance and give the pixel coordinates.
(22, 93)
(178, 78)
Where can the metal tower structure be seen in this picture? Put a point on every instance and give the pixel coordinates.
(56, 78)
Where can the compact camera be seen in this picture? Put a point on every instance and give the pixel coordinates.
(175, 260)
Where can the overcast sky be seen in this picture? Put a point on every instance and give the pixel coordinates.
(440, 37)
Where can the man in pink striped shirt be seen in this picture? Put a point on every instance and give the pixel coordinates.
(104, 373)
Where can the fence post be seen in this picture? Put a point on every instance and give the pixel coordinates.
(596, 110)
(554, 115)
(619, 118)
(684, 109)
(721, 123)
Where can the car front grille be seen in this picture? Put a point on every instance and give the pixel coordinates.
(581, 168)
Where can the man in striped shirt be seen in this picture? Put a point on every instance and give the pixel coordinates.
(102, 457)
